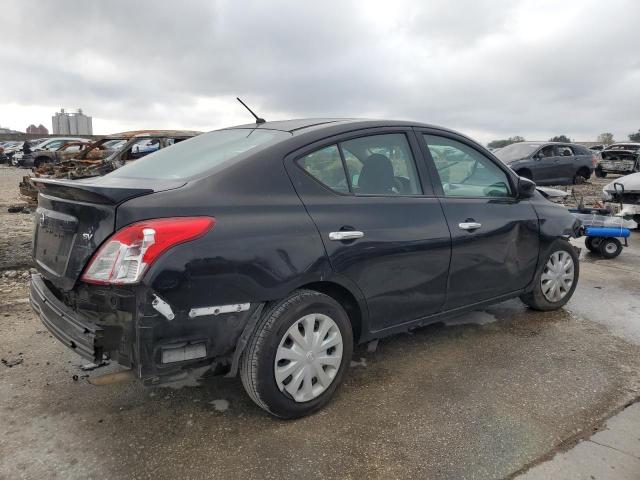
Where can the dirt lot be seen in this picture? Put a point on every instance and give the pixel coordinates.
(484, 396)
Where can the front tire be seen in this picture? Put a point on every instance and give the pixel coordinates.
(556, 279)
(298, 354)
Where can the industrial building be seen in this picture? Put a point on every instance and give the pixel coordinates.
(74, 123)
(40, 129)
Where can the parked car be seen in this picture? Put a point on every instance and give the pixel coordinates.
(271, 249)
(45, 152)
(621, 158)
(597, 148)
(105, 155)
(549, 163)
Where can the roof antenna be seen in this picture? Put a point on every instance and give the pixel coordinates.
(258, 119)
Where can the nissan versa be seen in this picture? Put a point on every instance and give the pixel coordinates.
(271, 249)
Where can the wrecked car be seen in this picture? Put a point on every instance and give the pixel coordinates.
(622, 196)
(105, 155)
(270, 249)
(620, 158)
(53, 152)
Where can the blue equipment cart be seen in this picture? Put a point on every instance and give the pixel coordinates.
(603, 231)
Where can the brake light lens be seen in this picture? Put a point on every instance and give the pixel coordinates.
(127, 254)
(594, 160)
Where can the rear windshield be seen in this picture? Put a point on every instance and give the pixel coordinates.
(199, 154)
(516, 151)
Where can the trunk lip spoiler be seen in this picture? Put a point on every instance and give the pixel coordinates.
(101, 192)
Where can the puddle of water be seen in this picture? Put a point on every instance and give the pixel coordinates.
(471, 318)
(361, 363)
(220, 405)
(190, 379)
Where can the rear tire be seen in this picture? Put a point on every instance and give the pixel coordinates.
(600, 173)
(610, 247)
(541, 297)
(286, 321)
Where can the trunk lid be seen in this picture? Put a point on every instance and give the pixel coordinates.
(74, 217)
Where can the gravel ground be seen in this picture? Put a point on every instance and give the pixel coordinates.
(484, 396)
(589, 192)
(17, 228)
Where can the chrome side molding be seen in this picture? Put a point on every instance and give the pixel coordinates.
(217, 310)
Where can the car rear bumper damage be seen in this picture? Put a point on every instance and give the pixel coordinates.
(74, 331)
(159, 348)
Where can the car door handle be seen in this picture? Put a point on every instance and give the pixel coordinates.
(469, 225)
(345, 235)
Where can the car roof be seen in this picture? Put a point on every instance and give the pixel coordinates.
(302, 125)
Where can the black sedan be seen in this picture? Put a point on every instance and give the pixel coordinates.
(270, 249)
(550, 163)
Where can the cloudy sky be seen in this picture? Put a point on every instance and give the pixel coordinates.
(488, 68)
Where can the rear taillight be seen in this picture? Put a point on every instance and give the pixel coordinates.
(127, 254)
(594, 160)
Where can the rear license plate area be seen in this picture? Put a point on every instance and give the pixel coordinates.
(55, 235)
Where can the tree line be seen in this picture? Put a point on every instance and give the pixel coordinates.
(606, 138)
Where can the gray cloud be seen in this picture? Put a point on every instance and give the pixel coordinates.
(488, 68)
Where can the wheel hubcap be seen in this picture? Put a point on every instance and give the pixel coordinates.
(557, 276)
(611, 248)
(308, 357)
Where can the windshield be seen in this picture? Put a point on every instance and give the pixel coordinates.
(516, 151)
(196, 155)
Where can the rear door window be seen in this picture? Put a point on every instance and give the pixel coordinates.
(381, 165)
(325, 165)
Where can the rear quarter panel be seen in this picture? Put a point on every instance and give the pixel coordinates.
(263, 246)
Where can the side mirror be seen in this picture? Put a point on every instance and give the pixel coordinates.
(526, 188)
